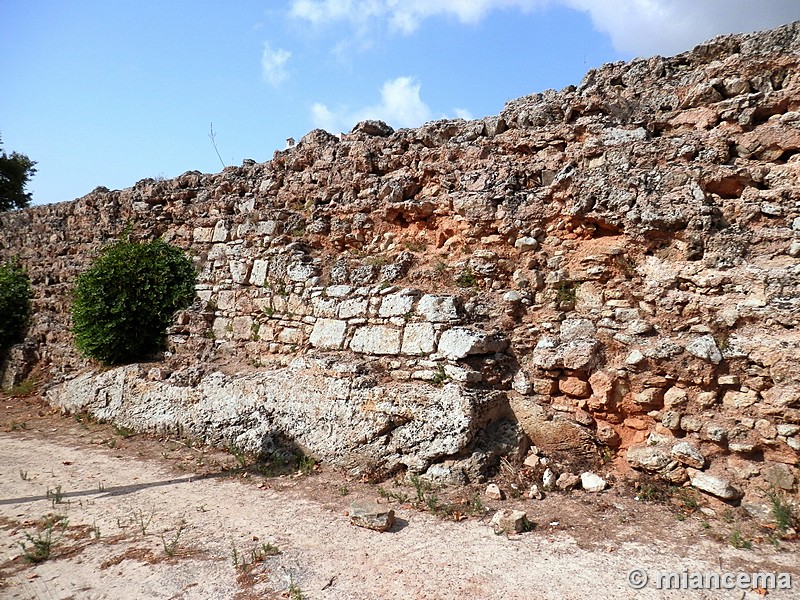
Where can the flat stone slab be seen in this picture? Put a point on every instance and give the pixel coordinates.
(376, 339)
(715, 486)
(371, 516)
(328, 334)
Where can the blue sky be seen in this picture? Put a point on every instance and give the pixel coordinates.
(110, 92)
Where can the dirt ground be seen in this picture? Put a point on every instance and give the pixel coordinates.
(134, 516)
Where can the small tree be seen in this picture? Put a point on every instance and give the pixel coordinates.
(15, 171)
(15, 303)
(125, 301)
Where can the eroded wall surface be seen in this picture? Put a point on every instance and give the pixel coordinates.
(606, 271)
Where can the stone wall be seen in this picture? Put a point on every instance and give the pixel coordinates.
(607, 270)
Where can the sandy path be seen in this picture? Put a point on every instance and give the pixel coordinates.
(322, 553)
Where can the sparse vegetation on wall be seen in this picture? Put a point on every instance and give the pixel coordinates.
(125, 301)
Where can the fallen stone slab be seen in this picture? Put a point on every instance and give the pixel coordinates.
(371, 516)
(715, 486)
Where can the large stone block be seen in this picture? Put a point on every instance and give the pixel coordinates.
(376, 339)
(705, 348)
(258, 274)
(419, 338)
(461, 342)
(396, 305)
(221, 232)
(301, 272)
(242, 328)
(239, 271)
(203, 234)
(328, 334)
(353, 308)
(716, 486)
(439, 308)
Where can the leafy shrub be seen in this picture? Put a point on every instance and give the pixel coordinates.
(15, 303)
(125, 301)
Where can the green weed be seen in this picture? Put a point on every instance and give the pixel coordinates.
(170, 543)
(466, 279)
(42, 542)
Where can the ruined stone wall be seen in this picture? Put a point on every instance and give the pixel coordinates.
(609, 270)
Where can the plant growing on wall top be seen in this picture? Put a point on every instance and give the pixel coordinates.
(123, 304)
(15, 303)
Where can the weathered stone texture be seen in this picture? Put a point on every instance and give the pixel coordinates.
(591, 266)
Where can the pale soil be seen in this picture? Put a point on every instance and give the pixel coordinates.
(110, 483)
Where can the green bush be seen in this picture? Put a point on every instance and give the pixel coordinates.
(15, 303)
(125, 301)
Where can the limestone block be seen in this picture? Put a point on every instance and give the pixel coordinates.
(419, 338)
(780, 476)
(396, 305)
(290, 335)
(716, 486)
(705, 348)
(521, 382)
(338, 291)
(220, 327)
(575, 387)
(203, 234)
(462, 375)
(545, 386)
(239, 271)
(733, 399)
(634, 358)
(508, 520)
(354, 307)
(580, 355)
(526, 244)
(782, 395)
(647, 458)
(376, 339)
(301, 272)
(439, 308)
(258, 274)
(545, 354)
(221, 233)
(573, 329)
(592, 482)
(325, 307)
(242, 328)
(675, 397)
(688, 455)
(328, 334)
(226, 300)
(371, 515)
(589, 295)
(461, 342)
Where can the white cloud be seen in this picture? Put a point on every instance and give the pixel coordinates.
(463, 113)
(402, 15)
(640, 27)
(273, 64)
(645, 27)
(400, 106)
